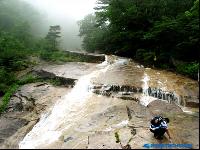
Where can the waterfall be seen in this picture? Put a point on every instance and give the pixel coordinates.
(145, 98)
(150, 94)
(67, 110)
(49, 128)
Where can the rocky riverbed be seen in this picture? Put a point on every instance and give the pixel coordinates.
(117, 96)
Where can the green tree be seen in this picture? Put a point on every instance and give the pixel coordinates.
(146, 29)
(16, 40)
(94, 35)
(52, 36)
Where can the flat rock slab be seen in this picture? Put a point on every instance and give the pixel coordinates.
(71, 70)
(8, 126)
(159, 107)
(33, 99)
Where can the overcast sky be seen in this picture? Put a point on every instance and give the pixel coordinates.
(65, 13)
(75, 9)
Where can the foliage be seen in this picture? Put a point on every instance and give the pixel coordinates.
(163, 28)
(62, 56)
(16, 40)
(29, 78)
(52, 36)
(6, 97)
(6, 78)
(93, 35)
(191, 69)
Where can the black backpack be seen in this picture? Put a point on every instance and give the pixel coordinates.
(160, 119)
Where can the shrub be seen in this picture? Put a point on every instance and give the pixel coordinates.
(6, 97)
(190, 69)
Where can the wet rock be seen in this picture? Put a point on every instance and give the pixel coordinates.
(139, 90)
(192, 104)
(24, 110)
(184, 128)
(191, 101)
(126, 93)
(113, 89)
(89, 57)
(40, 84)
(129, 98)
(68, 139)
(50, 75)
(8, 126)
(67, 72)
(159, 107)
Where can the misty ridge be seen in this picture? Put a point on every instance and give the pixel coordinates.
(50, 16)
(27, 37)
(40, 15)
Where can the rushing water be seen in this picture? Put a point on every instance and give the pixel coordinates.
(145, 98)
(50, 126)
(67, 110)
(64, 112)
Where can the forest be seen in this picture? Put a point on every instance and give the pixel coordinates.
(159, 33)
(21, 47)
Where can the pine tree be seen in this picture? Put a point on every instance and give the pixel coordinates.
(53, 35)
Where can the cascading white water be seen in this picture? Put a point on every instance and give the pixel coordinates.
(64, 112)
(49, 128)
(69, 108)
(145, 98)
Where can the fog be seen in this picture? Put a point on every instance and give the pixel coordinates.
(65, 13)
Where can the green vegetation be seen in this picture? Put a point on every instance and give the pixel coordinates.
(154, 32)
(7, 96)
(29, 78)
(190, 69)
(52, 36)
(59, 56)
(18, 43)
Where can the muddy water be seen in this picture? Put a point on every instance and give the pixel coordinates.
(82, 119)
(123, 71)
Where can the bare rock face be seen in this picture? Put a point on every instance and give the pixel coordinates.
(160, 107)
(24, 111)
(51, 75)
(9, 126)
(70, 71)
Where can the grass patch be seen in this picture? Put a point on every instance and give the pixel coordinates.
(30, 78)
(7, 96)
(59, 56)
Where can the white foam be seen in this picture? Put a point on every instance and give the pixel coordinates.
(64, 112)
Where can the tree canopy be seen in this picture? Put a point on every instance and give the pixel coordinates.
(144, 30)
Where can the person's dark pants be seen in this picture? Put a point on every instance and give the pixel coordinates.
(158, 133)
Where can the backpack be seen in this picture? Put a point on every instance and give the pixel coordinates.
(160, 119)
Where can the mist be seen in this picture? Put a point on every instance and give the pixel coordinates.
(65, 13)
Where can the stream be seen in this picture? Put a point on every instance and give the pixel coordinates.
(88, 116)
